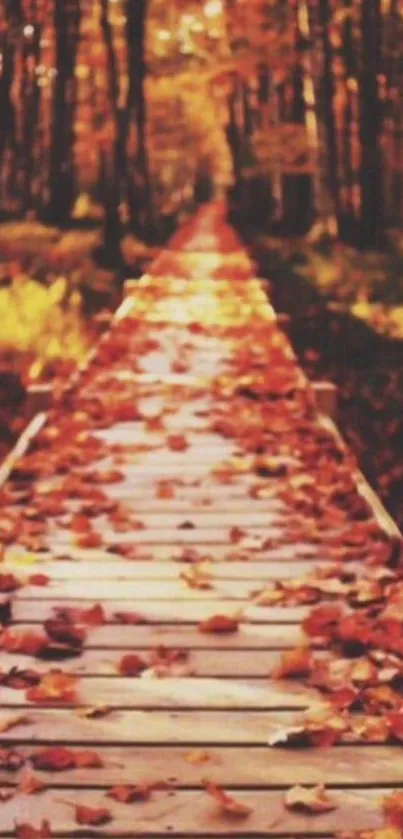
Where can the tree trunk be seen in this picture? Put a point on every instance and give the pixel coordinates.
(327, 103)
(66, 17)
(372, 203)
(138, 184)
(11, 34)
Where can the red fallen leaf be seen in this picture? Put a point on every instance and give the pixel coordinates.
(94, 616)
(27, 831)
(165, 489)
(127, 794)
(293, 663)
(54, 759)
(54, 686)
(64, 632)
(41, 580)
(393, 809)
(131, 665)
(309, 799)
(88, 759)
(89, 540)
(219, 624)
(80, 524)
(93, 816)
(110, 476)
(227, 803)
(177, 443)
(20, 679)
(9, 583)
(395, 721)
(130, 618)
(236, 535)
(343, 698)
(322, 619)
(30, 785)
(26, 643)
(11, 760)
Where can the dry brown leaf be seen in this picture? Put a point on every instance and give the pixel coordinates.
(310, 799)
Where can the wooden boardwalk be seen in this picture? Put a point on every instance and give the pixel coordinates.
(174, 522)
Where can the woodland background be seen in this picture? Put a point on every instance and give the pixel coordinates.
(119, 116)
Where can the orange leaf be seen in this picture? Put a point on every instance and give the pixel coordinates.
(41, 580)
(131, 665)
(93, 816)
(393, 809)
(27, 831)
(127, 794)
(309, 799)
(54, 759)
(30, 785)
(54, 686)
(229, 805)
(219, 624)
(177, 443)
(293, 663)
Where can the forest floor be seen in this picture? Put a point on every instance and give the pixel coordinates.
(346, 325)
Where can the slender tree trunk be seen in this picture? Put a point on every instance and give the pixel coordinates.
(327, 103)
(372, 203)
(11, 33)
(67, 15)
(114, 162)
(139, 184)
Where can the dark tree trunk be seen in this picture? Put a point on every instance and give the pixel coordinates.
(138, 182)
(372, 203)
(114, 164)
(327, 103)
(66, 16)
(9, 41)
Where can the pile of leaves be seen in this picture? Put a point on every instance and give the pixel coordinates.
(366, 367)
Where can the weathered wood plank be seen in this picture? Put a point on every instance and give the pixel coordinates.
(182, 692)
(156, 727)
(118, 570)
(195, 813)
(262, 625)
(253, 766)
(136, 590)
(200, 663)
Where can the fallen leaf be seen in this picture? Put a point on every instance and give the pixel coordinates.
(54, 686)
(7, 723)
(27, 831)
(294, 663)
(393, 809)
(219, 624)
(40, 580)
(127, 794)
(131, 665)
(31, 785)
(229, 805)
(92, 816)
(197, 756)
(310, 799)
(54, 759)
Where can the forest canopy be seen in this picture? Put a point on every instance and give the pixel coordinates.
(127, 112)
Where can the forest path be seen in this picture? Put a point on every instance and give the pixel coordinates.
(171, 527)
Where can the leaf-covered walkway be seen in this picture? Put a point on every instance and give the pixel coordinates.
(202, 615)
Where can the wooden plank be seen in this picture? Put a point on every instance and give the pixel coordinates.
(254, 766)
(136, 590)
(123, 570)
(194, 813)
(169, 617)
(200, 663)
(156, 727)
(22, 559)
(180, 692)
(213, 536)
